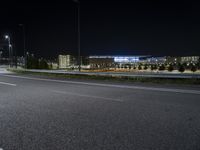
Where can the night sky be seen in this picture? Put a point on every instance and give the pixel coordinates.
(108, 27)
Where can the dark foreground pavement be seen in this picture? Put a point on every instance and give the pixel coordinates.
(50, 115)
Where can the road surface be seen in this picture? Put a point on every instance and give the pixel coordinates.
(38, 113)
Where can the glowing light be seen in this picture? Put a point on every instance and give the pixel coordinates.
(6, 37)
(126, 59)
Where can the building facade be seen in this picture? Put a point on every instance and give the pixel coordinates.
(65, 61)
(190, 59)
(101, 62)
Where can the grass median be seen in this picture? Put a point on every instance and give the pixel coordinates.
(193, 81)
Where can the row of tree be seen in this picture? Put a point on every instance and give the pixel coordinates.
(170, 67)
(35, 63)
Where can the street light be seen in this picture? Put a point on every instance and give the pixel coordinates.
(24, 44)
(7, 37)
(0, 55)
(78, 33)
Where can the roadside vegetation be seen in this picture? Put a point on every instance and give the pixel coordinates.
(37, 63)
(161, 67)
(41, 63)
(194, 81)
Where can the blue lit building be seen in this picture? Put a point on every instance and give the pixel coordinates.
(113, 61)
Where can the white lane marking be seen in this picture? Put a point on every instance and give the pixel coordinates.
(1, 148)
(89, 96)
(5, 83)
(112, 85)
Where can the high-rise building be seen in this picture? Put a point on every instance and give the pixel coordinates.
(65, 61)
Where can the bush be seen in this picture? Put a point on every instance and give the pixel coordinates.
(32, 63)
(43, 64)
(162, 67)
(146, 67)
(198, 65)
(181, 68)
(193, 68)
(139, 67)
(170, 68)
(154, 67)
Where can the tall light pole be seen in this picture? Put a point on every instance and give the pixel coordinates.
(24, 45)
(78, 33)
(0, 56)
(7, 37)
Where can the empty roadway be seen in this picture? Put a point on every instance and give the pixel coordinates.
(37, 113)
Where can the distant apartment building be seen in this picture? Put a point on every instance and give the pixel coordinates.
(155, 60)
(65, 61)
(190, 59)
(101, 61)
(184, 59)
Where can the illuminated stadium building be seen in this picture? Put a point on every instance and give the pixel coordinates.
(112, 61)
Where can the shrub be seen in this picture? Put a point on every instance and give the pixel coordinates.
(181, 68)
(145, 67)
(155, 67)
(152, 67)
(162, 67)
(139, 67)
(170, 68)
(32, 63)
(193, 68)
(43, 64)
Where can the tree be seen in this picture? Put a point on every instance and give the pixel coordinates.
(32, 62)
(35, 63)
(152, 67)
(129, 67)
(29, 62)
(198, 63)
(161, 67)
(181, 68)
(125, 66)
(170, 68)
(43, 64)
(145, 67)
(139, 67)
(193, 68)
(50, 66)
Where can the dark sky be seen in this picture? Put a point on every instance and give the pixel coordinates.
(108, 27)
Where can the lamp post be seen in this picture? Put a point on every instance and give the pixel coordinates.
(0, 56)
(78, 33)
(24, 44)
(7, 37)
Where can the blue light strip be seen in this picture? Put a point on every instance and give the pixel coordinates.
(126, 59)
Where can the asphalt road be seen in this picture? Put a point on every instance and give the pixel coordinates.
(50, 114)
